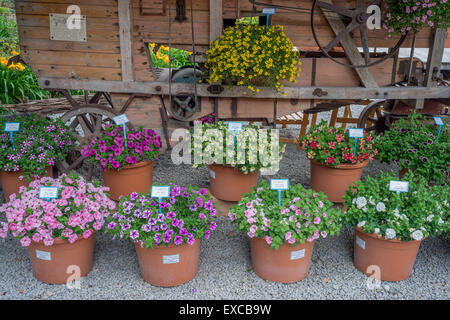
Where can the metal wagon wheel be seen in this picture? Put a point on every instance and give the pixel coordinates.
(376, 116)
(357, 19)
(87, 122)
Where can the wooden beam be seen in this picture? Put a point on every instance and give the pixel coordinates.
(215, 19)
(350, 48)
(301, 93)
(126, 39)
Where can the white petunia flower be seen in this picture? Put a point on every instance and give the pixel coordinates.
(396, 212)
(361, 224)
(377, 230)
(440, 222)
(361, 202)
(390, 233)
(430, 217)
(371, 201)
(417, 235)
(381, 207)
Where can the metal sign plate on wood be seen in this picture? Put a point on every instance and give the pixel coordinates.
(61, 30)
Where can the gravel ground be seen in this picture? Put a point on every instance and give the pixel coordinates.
(225, 267)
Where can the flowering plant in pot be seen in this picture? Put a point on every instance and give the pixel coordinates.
(282, 236)
(251, 55)
(166, 232)
(234, 157)
(390, 226)
(37, 146)
(412, 15)
(58, 232)
(126, 162)
(413, 145)
(334, 162)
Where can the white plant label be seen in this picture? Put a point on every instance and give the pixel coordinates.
(174, 258)
(295, 255)
(356, 133)
(360, 242)
(212, 174)
(398, 186)
(121, 119)
(160, 191)
(279, 184)
(437, 120)
(43, 255)
(48, 192)
(12, 126)
(268, 10)
(235, 126)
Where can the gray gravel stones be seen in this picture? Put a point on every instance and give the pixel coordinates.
(225, 266)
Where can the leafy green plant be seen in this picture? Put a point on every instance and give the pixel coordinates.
(413, 215)
(160, 58)
(411, 143)
(250, 150)
(9, 38)
(333, 146)
(304, 215)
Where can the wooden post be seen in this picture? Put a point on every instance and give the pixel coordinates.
(126, 39)
(215, 19)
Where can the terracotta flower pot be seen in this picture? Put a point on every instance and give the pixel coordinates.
(395, 258)
(50, 263)
(335, 181)
(134, 178)
(227, 183)
(11, 182)
(285, 265)
(168, 266)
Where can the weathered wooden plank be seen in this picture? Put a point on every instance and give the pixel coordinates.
(215, 19)
(47, 44)
(323, 93)
(78, 72)
(111, 3)
(33, 20)
(350, 49)
(126, 39)
(435, 55)
(44, 33)
(90, 10)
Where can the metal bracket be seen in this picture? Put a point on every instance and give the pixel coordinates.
(215, 89)
(181, 11)
(319, 92)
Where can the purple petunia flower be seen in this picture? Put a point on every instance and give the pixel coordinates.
(134, 234)
(178, 240)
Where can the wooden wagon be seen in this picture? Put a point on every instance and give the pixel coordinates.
(109, 54)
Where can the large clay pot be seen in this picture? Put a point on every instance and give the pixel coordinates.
(50, 263)
(335, 181)
(227, 183)
(11, 182)
(395, 258)
(285, 265)
(168, 266)
(133, 178)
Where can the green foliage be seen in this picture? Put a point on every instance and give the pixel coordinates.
(9, 38)
(411, 143)
(160, 58)
(333, 146)
(251, 150)
(304, 215)
(416, 214)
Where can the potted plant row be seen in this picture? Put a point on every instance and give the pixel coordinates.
(59, 232)
(390, 226)
(282, 235)
(234, 158)
(38, 145)
(126, 159)
(166, 232)
(335, 163)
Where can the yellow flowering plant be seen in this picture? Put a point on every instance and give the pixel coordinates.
(251, 55)
(160, 57)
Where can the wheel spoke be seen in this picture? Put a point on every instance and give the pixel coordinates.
(370, 128)
(365, 43)
(373, 120)
(75, 163)
(336, 9)
(339, 36)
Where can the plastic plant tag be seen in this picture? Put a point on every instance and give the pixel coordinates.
(399, 186)
(12, 126)
(234, 126)
(279, 184)
(48, 193)
(356, 133)
(43, 255)
(174, 258)
(268, 10)
(295, 255)
(438, 121)
(121, 119)
(160, 191)
(212, 174)
(361, 243)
